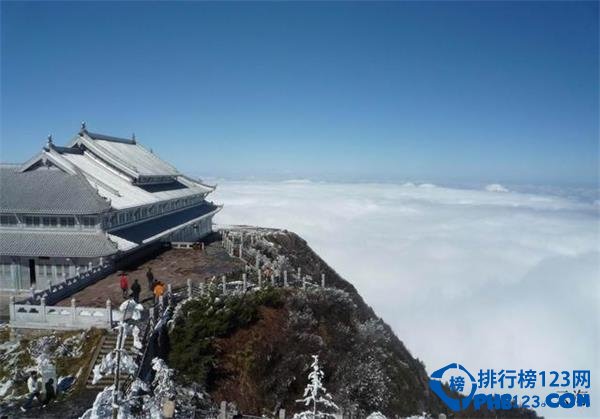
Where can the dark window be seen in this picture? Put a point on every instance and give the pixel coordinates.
(67, 222)
(88, 222)
(8, 220)
(49, 221)
(31, 272)
(32, 221)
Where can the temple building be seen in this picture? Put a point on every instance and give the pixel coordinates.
(98, 199)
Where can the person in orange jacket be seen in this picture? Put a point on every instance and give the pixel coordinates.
(159, 290)
(124, 284)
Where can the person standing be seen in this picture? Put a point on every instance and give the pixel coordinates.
(159, 290)
(150, 278)
(135, 290)
(124, 284)
(34, 391)
(50, 393)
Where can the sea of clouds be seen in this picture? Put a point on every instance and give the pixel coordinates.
(487, 278)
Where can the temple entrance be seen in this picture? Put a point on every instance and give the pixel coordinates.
(31, 272)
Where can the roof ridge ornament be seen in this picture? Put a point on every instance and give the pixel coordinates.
(83, 128)
(49, 143)
(133, 138)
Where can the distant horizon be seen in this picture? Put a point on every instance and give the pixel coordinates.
(447, 181)
(443, 91)
(531, 186)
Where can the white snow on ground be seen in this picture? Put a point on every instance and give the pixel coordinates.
(491, 280)
(5, 386)
(102, 407)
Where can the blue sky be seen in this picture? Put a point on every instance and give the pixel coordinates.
(485, 91)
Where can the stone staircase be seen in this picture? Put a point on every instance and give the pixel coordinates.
(107, 344)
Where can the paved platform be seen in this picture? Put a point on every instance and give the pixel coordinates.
(173, 266)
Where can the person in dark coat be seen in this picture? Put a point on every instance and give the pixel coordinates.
(150, 278)
(135, 290)
(50, 393)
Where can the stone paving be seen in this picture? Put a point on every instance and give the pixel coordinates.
(173, 266)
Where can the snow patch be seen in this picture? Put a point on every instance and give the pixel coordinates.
(5, 386)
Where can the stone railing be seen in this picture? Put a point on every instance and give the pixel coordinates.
(42, 316)
(70, 286)
(261, 269)
(226, 286)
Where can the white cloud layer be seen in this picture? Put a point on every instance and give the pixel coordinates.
(495, 187)
(487, 279)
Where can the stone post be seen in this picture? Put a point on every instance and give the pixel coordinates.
(285, 283)
(73, 312)
(304, 283)
(189, 287)
(273, 279)
(11, 308)
(109, 317)
(43, 309)
(161, 301)
(169, 293)
(32, 290)
(259, 278)
(16, 278)
(90, 265)
(442, 416)
(299, 273)
(202, 246)
(223, 410)
(224, 284)
(244, 279)
(201, 289)
(281, 413)
(323, 280)
(241, 250)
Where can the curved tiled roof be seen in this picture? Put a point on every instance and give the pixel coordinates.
(53, 244)
(137, 233)
(127, 155)
(47, 191)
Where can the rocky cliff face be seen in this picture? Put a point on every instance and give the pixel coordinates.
(254, 349)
